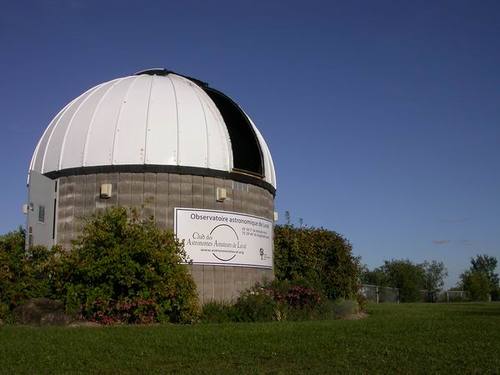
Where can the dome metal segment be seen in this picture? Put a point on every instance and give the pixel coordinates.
(154, 118)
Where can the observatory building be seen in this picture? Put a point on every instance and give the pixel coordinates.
(176, 150)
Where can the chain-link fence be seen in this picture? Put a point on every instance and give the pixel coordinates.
(375, 293)
(453, 296)
(379, 294)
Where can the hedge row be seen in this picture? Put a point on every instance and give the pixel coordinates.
(123, 269)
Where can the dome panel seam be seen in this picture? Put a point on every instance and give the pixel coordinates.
(176, 120)
(70, 122)
(92, 120)
(123, 100)
(144, 159)
(49, 139)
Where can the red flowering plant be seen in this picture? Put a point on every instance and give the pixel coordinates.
(281, 300)
(129, 311)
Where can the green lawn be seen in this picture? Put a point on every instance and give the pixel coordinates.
(406, 338)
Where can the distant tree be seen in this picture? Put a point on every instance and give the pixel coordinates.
(476, 284)
(486, 264)
(434, 275)
(405, 275)
(481, 278)
(374, 277)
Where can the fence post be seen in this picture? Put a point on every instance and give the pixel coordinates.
(376, 292)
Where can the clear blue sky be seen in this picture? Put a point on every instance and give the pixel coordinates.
(383, 117)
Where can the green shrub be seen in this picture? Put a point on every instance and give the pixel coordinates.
(298, 300)
(218, 312)
(13, 286)
(256, 305)
(123, 269)
(272, 301)
(321, 257)
(5, 315)
(22, 272)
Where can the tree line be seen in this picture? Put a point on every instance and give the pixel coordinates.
(480, 281)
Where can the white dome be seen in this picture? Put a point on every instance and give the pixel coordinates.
(154, 118)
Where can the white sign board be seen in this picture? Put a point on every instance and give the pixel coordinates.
(225, 238)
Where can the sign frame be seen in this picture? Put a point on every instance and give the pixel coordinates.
(269, 254)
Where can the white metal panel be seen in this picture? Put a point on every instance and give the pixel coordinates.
(219, 154)
(37, 161)
(269, 172)
(161, 137)
(130, 132)
(32, 163)
(101, 135)
(192, 133)
(72, 151)
(56, 138)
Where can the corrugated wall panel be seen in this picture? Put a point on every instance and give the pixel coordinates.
(174, 197)
(197, 193)
(137, 192)
(79, 204)
(124, 189)
(90, 189)
(149, 195)
(208, 193)
(163, 192)
(186, 191)
(161, 203)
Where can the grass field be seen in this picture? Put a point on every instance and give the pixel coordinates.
(406, 338)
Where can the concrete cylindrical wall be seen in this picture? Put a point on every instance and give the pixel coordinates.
(156, 195)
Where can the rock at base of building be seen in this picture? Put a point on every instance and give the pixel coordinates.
(41, 311)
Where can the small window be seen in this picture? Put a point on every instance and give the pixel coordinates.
(41, 214)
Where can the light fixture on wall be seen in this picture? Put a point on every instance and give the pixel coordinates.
(106, 191)
(221, 194)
